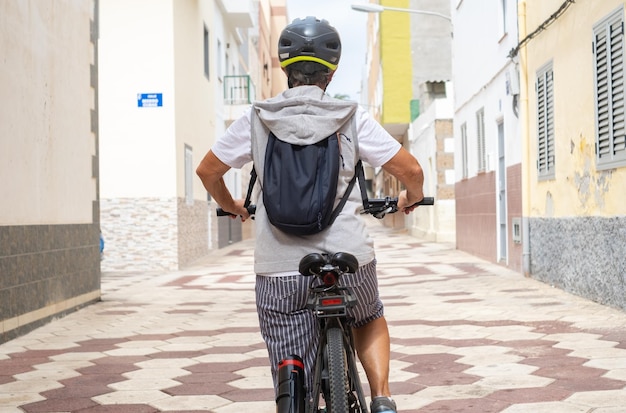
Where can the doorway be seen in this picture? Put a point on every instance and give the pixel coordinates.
(502, 215)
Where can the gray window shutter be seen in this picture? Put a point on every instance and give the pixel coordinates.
(480, 140)
(545, 122)
(608, 47)
(464, 158)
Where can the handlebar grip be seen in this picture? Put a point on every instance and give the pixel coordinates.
(428, 200)
(221, 213)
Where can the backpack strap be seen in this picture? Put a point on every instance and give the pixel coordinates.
(359, 165)
(246, 203)
(360, 175)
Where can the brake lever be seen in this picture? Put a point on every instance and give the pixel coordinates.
(381, 214)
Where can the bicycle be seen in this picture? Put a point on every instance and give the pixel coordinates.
(335, 374)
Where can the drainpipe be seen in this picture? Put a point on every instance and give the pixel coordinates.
(526, 206)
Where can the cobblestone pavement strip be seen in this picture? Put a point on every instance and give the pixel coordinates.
(467, 336)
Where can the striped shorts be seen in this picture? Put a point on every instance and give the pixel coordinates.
(288, 328)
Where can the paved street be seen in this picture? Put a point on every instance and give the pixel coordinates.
(467, 336)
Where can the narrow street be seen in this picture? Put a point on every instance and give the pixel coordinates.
(467, 336)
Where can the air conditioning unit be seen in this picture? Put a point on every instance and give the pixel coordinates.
(512, 81)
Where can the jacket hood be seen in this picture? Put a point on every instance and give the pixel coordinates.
(304, 115)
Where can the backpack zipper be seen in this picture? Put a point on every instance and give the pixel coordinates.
(319, 189)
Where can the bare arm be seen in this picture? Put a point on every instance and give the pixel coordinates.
(211, 171)
(407, 169)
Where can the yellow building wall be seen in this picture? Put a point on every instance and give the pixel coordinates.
(578, 188)
(395, 54)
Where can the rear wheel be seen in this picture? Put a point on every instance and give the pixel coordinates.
(337, 398)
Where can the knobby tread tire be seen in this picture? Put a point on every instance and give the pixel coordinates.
(337, 371)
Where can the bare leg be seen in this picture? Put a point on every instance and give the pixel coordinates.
(372, 346)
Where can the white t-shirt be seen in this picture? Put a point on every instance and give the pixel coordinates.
(376, 146)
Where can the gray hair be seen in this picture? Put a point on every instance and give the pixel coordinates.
(308, 73)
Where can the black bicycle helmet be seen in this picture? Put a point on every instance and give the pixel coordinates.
(309, 40)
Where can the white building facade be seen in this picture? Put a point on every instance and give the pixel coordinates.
(488, 150)
(431, 137)
(432, 143)
(163, 68)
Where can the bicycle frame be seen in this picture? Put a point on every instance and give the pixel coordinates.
(330, 302)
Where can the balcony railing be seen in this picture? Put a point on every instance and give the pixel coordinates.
(238, 90)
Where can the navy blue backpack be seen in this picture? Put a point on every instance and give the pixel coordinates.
(300, 184)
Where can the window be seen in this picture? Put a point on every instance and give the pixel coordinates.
(188, 175)
(503, 11)
(206, 52)
(608, 48)
(464, 169)
(545, 122)
(480, 140)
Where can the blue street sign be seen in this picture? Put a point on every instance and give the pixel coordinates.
(149, 100)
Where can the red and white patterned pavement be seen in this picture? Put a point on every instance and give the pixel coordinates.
(467, 336)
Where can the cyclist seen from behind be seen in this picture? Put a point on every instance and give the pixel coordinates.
(309, 51)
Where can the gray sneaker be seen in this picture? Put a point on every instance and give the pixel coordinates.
(383, 404)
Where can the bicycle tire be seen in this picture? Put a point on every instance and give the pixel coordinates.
(337, 372)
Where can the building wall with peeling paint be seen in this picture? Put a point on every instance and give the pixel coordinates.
(576, 218)
(578, 187)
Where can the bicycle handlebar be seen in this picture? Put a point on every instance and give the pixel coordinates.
(378, 207)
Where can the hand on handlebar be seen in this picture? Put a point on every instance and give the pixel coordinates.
(405, 205)
(238, 210)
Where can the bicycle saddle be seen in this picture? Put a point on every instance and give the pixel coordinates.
(345, 261)
(310, 264)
